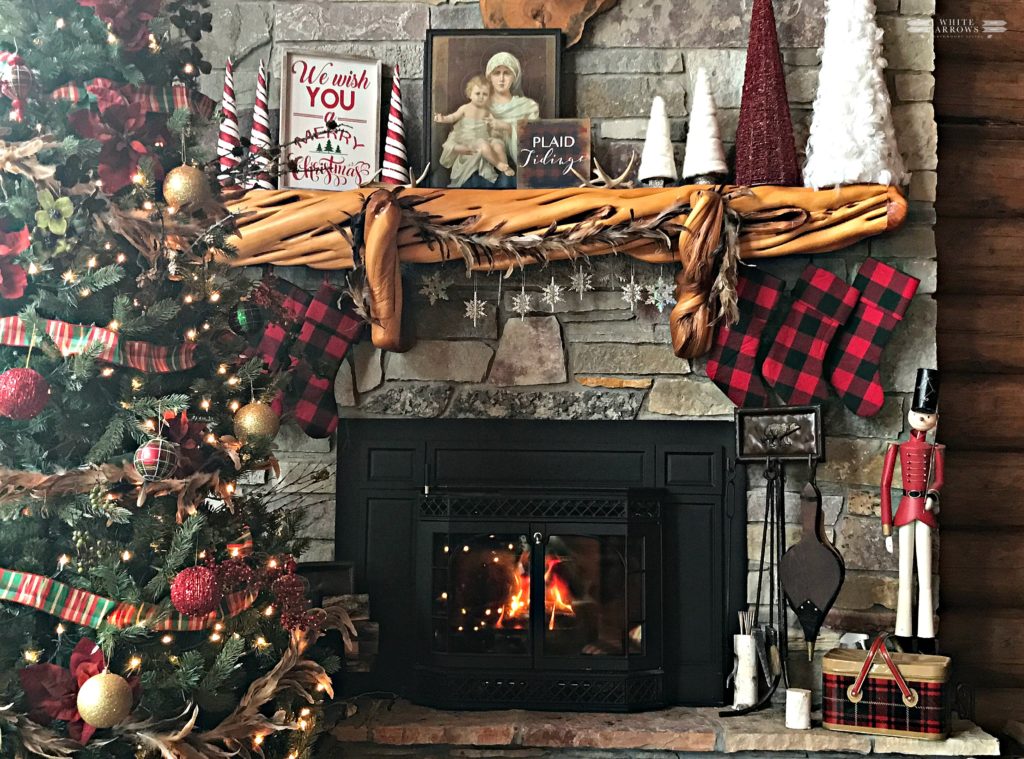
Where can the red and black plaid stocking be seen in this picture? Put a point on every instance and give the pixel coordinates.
(732, 363)
(794, 366)
(329, 329)
(852, 361)
(287, 304)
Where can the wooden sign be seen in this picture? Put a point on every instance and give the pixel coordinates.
(549, 151)
(330, 105)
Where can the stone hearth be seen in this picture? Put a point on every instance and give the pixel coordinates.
(400, 729)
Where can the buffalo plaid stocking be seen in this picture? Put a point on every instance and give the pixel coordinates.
(329, 329)
(794, 366)
(852, 361)
(732, 363)
(288, 304)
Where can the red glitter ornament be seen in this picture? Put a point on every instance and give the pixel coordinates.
(235, 574)
(24, 393)
(195, 592)
(290, 592)
(765, 150)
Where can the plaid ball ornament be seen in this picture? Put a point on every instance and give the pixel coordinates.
(795, 365)
(157, 459)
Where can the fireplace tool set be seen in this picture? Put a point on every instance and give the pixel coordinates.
(808, 575)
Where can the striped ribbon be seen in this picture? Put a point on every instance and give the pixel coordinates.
(395, 167)
(228, 138)
(75, 338)
(260, 141)
(155, 99)
(89, 610)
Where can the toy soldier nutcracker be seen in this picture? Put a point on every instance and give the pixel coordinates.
(922, 465)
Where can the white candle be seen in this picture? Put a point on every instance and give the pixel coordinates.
(798, 709)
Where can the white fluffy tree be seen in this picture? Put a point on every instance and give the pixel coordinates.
(658, 162)
(705, 157)
(852, 138)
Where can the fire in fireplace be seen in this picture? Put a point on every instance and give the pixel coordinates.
(535, 595)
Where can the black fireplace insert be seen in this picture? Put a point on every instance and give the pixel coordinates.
(540, 600)
(640, 565)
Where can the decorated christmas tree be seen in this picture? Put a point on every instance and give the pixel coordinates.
(149, 601)
(852, 136)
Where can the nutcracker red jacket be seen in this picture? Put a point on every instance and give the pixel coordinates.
(918, 459)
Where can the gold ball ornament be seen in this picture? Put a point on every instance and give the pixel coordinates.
(256, 421)
(105, 699)
(186, 185)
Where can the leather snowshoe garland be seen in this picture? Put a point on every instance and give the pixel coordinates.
(703, 228)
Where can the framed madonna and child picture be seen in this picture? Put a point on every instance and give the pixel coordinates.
(480, 87)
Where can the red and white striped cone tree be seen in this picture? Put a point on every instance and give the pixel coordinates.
(395, 167)
(228, 139)
(259, 143)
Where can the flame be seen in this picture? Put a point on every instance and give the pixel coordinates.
(557, 595)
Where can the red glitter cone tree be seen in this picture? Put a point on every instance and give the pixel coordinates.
(765, 150)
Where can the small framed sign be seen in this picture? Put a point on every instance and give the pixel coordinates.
(549, 151)
(787, 433)
(330, 108)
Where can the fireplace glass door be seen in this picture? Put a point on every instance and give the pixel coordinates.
(481, 593)
(593, 590)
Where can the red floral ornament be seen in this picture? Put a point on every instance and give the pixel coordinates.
(13, 278)
(128, 19)
(189, 436)
(121, 128)
(52, 691)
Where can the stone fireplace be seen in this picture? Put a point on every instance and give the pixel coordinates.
(592, 358)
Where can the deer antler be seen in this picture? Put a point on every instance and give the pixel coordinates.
(605, 181)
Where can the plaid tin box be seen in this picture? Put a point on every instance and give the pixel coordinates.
(905, 695)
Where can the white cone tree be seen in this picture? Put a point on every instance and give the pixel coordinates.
(852, 139)
(658, 162)
(705, 155)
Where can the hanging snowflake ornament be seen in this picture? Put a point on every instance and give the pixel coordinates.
(522, 303)
(661, 293)
(581, 282)
(632, 292)
(435, 286)
(476, 309)
(551, 294)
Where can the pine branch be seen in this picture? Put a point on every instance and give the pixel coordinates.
(83, 366)
(155, 317)
(110, 442)
(224, 665)
(182, 549)
(114, 581)
(191, 668)
(149, 406)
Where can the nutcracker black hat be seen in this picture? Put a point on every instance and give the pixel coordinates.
(926, 392)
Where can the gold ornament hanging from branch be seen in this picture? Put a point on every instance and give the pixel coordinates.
(186, 186)
(105, 699)
(256, 421)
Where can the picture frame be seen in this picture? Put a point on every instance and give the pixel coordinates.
(316, 89)
(786, 433)
(474, 146)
